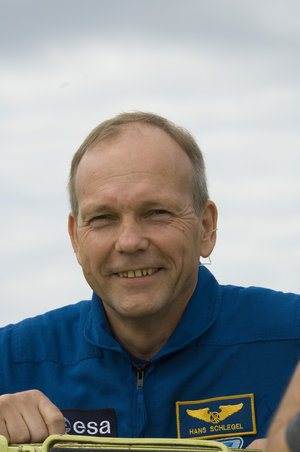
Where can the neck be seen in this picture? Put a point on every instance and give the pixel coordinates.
(144, 337)
(142, 347)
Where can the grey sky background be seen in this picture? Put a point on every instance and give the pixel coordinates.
(227, 70)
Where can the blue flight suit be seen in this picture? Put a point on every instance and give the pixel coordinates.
(220, 375)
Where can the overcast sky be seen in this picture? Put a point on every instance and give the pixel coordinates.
(227, 70)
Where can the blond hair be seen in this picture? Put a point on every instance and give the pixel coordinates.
(112, 128)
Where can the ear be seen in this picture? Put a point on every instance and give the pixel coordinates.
(72, 228)
(208, 237)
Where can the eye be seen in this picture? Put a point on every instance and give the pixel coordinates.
(158, 214)
(102, 220)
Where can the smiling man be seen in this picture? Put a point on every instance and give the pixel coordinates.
(161, 350)
(137, 235)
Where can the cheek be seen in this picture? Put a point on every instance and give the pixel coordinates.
(182, 247)
(91, 240)
(188, 237)
(96, 251)
(88, 249)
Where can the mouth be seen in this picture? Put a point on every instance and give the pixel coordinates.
(139, 273)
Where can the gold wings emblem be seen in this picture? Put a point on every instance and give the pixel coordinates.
(204, 414)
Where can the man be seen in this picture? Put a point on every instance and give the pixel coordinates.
(161, 350)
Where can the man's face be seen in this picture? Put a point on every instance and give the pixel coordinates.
(137, 236)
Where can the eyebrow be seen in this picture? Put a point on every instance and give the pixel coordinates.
(90, 210)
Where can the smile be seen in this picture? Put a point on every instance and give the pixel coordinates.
(138, 273)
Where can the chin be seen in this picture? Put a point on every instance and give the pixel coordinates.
(139, 313)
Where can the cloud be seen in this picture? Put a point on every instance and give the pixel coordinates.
(227, 71)
(32, 26)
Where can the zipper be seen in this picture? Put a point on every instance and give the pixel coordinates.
(140, 418)
(140, 374)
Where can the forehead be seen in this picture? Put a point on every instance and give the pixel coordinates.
(139, 153)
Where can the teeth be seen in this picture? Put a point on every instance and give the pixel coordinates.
(138, 273)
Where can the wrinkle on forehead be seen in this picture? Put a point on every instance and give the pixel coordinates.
(121, 193)
(143, 153)
(133, 164)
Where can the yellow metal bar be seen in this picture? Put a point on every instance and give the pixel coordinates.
(121, 444)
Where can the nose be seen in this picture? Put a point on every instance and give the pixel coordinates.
(131, 237)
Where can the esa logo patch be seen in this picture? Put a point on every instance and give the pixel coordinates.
(216, 418)
(91, 422)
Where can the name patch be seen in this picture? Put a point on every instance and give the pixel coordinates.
(216, 418)
(91, 422)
